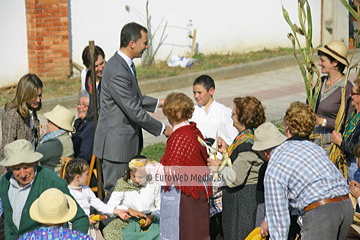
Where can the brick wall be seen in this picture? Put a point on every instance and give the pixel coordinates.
(48, 38)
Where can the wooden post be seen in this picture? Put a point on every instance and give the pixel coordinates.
(100, 192)
(193, 44)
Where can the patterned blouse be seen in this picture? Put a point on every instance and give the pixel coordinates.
(54, 233)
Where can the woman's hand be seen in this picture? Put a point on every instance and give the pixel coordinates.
(222, 146)
(136, 213)
(336, 138)
(122, 213)
(319, 120)
(355, 191)
(213, 164)
(42, 129)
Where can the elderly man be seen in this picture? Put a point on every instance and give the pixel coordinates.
(301, 176)
(23, 184)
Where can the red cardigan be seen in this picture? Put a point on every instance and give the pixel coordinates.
(184, 149)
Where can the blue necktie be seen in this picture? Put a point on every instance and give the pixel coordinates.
(134, 69)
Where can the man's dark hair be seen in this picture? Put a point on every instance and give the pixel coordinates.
(206, 81)
(86, 55)
(130, 32)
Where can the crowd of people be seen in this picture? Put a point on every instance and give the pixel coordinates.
(283, 184)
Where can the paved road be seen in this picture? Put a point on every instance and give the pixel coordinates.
(276, 90)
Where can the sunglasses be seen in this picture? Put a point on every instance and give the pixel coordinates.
(353, 93)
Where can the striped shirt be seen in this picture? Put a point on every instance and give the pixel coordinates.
(298, 174)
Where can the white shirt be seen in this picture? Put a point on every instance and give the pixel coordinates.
(147, 200)
(216, 120)
(17, 198)
(87, 198)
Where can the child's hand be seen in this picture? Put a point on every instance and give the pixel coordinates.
(149, 220)
(91, 221)
(122, 213)
(136, 213)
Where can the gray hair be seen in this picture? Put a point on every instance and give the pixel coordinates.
(83, 93)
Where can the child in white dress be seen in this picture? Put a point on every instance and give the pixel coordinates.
(76, 175)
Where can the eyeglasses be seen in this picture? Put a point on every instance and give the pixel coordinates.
(353, 93)
(81, 105)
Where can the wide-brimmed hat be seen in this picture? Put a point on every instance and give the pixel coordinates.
(19, 151)
(53, 207)
(338, 50)
(61, 117)
(267, 136)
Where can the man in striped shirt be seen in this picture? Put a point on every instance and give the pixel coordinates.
(301, 176)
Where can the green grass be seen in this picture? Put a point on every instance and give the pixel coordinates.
(154, 152)
(71, 86)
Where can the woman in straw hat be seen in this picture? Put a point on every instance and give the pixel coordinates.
(53, 208)
(332, 62)
(56, 143)
(19, 120)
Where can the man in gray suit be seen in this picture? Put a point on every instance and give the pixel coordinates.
(123, 109)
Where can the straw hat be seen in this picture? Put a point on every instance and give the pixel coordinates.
(19, 151)
(61, 117)
(338, 50)
(53, 207)
(267, 136)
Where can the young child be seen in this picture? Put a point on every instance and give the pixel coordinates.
(76, 175)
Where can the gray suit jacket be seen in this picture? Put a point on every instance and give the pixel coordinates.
(122, 114)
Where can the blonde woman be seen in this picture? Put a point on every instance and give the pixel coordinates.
(19, 120)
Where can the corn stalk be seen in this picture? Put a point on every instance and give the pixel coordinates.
(306, 62)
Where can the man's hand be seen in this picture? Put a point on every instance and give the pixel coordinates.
(264, 229)
(161, 102)
(354, 188)
(168, 130)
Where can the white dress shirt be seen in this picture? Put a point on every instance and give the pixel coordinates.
(216, 120)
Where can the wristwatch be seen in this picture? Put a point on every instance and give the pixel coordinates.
(324, 123)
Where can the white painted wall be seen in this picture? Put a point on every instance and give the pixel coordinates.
(225, 26)
(13, 41)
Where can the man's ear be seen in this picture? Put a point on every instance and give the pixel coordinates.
(131, 44)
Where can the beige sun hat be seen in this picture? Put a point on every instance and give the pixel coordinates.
(61, 117)
(53, 207)
(19, 151)
(338, 50)
(267, 136)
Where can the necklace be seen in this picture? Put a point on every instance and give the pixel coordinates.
(327, 86)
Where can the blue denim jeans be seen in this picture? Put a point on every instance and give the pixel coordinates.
(330, 221)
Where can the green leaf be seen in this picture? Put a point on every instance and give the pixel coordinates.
(350, 9)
